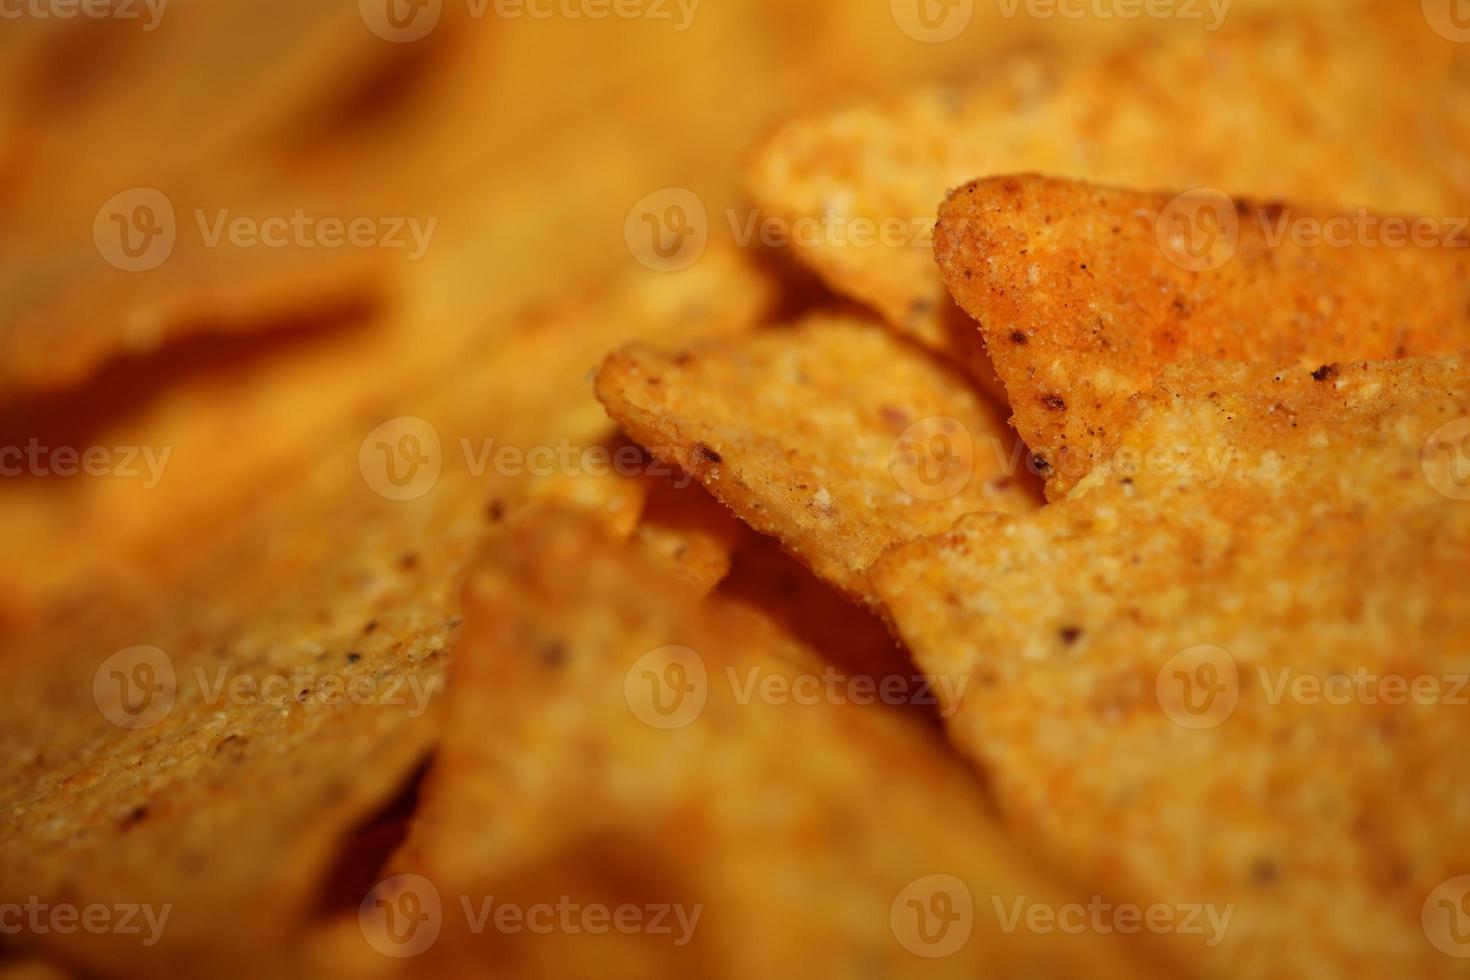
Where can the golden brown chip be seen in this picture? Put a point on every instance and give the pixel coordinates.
(616, 743)
(148, 265)
(1293, 104)
(833, 436)
(200, 745)
(690, 530)
(1230, 671)
(1085, 293)
(775, 586)
(31, 968)
(120, 224)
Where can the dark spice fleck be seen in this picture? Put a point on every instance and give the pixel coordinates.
(894, 416)
(553, 654)
(1017, 337)
(370, 625)
(409, 561)
(495, 511)
(1071, 634)
(354, 657)
(1054, 402)
(708, 455)
(135, 816)
(1265, 872)
(1325, 373)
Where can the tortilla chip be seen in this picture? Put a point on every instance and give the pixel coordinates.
(31, 968)
(690, 531)
(227, 809)
(794, 832)
(771, 584)
(833, 436)
(1135, 653)
(83, 157)
(1303, 113)
(96, 289)
(1085, 293)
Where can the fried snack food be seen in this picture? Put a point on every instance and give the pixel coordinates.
(1290, 104)
(832, 436)
(604, 752)
(1085, 293)
(691, 531)
(770, 583)
(206, 741)
(112, 242)
(68, 312)
(1225, 670)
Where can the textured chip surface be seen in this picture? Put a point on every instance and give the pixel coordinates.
(1294, 104)
(833, 436)
(301, 651)
(1084, 293)
(1232, 669)
(599, 708)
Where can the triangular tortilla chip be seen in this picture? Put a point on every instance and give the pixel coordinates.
(1232, 671)
(204, 741)
(1294, 104)
(780, 838)
(1085, 293)
(833, 436)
